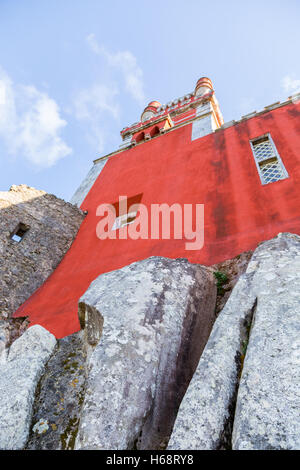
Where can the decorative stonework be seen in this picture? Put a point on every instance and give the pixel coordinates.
(154, 114)
(203, 126)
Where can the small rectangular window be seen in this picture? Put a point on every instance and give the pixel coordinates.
(269, 164)
(124, 220)
(19, 232)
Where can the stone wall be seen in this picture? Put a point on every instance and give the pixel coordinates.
(51, 225)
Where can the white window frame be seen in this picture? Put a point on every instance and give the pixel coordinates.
(276, 154)
(122, 220)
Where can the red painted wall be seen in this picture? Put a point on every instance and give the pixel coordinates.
(217, 170)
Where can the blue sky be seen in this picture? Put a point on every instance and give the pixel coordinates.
(73, 73)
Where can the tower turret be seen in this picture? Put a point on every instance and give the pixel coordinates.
(150, 110)
(200, 108)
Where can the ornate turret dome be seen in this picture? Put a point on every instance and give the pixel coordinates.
(150, 110)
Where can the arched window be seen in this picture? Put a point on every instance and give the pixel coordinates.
(154, 131)
(140, 137)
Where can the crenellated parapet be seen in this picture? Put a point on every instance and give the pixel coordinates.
(199, 107)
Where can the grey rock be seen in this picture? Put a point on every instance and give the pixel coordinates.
(88, 182)
(91, 321)
(59, 397)
(157, 315)
(10, 330)
(253, 386)
(19, 376)
(267, 411)
(4, 337)
(204, 420)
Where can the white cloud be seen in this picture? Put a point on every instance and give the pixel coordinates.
(100, 98)
(290, 85)
(126, 62)
(91, 105)
(30, 123)
(92, 42)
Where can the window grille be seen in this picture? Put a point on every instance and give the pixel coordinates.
(269, 164)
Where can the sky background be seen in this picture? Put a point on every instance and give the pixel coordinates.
(73, 73)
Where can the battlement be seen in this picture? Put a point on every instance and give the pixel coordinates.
(157, 119)
(190, 108)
